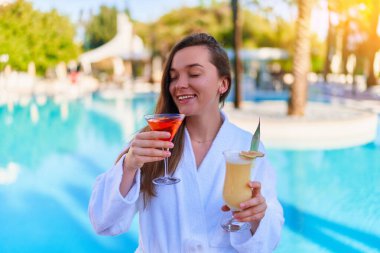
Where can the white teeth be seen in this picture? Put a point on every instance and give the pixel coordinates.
(185, 97)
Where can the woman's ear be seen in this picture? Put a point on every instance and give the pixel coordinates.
(223, 85)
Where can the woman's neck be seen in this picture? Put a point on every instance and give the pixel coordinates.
(203, 129)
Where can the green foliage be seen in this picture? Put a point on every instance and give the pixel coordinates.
(179, 23)
(101, 28)
(257, 30)
(317, 54)
(28, 35)
(255, 142)
(356, 20)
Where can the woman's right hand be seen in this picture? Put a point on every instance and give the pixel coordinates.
(147, 147)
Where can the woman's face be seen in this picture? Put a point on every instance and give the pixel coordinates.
(195, 84)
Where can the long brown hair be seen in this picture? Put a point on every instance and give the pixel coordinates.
(165, 104)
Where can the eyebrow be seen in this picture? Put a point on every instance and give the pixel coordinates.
(190, 66)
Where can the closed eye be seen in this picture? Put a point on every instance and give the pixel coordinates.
(173, 77)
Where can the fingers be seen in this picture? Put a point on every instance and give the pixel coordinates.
(137, 151)
(148, 147)
(151, 135)
(256, 199)
(151, 139)
(134, 161)
(139, 156)
(256, 187)
(251, 214)
(139, 161)
(254, 208)
(152, 144)
(255, 211)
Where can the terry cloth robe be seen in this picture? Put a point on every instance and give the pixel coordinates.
(185, 217)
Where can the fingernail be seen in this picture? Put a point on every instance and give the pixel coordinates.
(171, 145)
(242, 205)
(167, 134)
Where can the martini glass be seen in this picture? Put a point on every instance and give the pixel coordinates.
(168, 122)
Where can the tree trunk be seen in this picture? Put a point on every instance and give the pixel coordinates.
(301, 61)
(329, 38)
(236, 43)
(345, 52)
(373, 42)
(153, 53)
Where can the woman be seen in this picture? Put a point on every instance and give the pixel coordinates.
(185, 217)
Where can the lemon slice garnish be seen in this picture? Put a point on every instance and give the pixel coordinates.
(251, 154)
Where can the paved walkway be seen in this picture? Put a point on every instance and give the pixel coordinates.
(324, 126)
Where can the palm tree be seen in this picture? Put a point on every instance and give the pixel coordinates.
(236, 44)
(301, 61)
(329, 41)
(373, 42)
(367, 17)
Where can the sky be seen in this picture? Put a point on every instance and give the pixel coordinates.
(141, 10)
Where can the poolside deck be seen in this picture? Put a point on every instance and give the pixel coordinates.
(324, 126)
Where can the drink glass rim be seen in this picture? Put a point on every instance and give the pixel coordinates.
(232, 151)
(169, 115)
(233, 156)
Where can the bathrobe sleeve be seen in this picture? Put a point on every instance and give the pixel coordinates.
(268, 233)
(110, 213)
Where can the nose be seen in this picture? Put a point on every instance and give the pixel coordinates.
(181, 82)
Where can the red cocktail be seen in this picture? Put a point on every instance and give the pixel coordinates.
(165, 123)
(168, 122)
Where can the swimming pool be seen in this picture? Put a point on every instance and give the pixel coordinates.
(49, 162)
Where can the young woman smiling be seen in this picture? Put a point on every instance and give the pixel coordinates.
(185, 217)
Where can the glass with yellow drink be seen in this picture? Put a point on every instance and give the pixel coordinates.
(236, 189)
(238, 174)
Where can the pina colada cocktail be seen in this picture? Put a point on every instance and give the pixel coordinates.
(168, 122)
(236, 189)
(238, 173)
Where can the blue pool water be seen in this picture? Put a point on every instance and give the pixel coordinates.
(47, 169)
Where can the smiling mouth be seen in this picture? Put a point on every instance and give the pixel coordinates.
(185, 97)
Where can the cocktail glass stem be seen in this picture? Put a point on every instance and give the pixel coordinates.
(166, 161)
(230, 224)
(166, 179)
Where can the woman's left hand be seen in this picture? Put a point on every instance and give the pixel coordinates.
(252, 210)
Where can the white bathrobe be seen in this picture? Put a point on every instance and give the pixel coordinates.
(185, 217)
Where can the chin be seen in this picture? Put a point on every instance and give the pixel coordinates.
(183, 110)
(186, 112)
(189, 111)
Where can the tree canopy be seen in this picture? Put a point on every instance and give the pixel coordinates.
(27, 35)
(257, 31)
(101, 27)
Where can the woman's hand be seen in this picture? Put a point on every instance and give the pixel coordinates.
(252, 210)
(147, 147)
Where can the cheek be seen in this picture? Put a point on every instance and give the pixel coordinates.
(171, 90)
(208, 84)
(212, 87)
